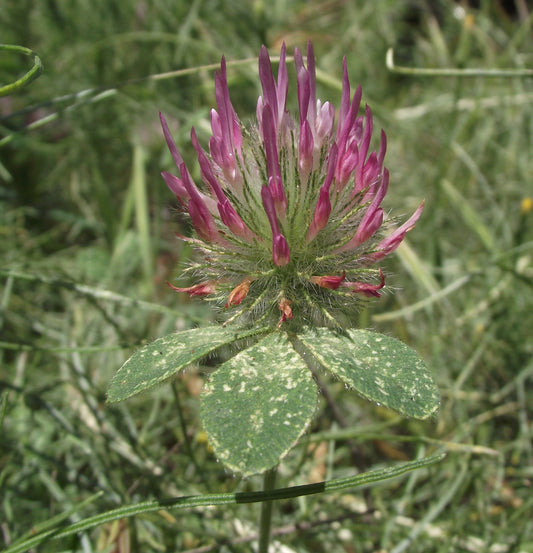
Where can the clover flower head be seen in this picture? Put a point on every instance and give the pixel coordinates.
(288, 214)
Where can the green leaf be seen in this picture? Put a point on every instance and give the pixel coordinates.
(163, 358)
(256, 405)
(382, 369)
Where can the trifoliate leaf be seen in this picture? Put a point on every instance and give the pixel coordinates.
(382, 369)
(256, 405)
(164, 357)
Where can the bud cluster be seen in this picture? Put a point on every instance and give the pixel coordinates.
(288, 215)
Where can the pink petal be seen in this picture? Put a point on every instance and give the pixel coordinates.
(283, 84)
(389, 244)
(175, 185)
(305, 150)
(170, 141)
(324, 121)
(271, 151)
(227, 213)
(202, 289)
(201, 217)
(280, 248)
(266, 77)
(331, 282)
(280, 251)
(323, 206)
(366, 289)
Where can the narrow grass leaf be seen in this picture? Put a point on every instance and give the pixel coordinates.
(382, 369)
(53, 523)
(141, 212)
(29, 76)
(166, 356)
(470, 216)
(419, 270)
(256, 405)
(191, 502)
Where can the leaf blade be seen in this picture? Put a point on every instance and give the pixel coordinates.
(258, 404)
(163, 358)
(380, 368)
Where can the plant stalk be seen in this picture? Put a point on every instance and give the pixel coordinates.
(265, 520)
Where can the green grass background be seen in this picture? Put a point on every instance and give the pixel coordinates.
(87, 241)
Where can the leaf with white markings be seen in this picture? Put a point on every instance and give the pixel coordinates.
(257, 405)
(382, 369)
(166, 356)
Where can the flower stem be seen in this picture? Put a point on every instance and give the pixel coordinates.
(265, 520)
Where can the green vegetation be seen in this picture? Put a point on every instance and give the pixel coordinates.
(87, 242)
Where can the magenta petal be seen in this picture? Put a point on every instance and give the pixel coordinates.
(303, 93)
(369, 227)
(202, 289)
(228, 215)
(283, 84)
(324, 121)
(367, 134)
(216, 151)
(227, 137)
(280, 251)
(346, 164)
(345, 96)
(170, 141)
(332, 282)
(382, 148)
(176, 185)
(267, 81)
(346, 123)
(372, 219)
(305, 150)
(373, 216)
(232, 220)
(321, 215)
(202, 221)
(201, 217)
(205, 167)
(216, 127)
(370, 178)
(270, 210)
(278, 194)
(347, 137)
(312, 83)
(271, 151)
(237, 134)
(389, 244)
(270, 141)
(366, 289)
(280, 248)
(225, 109)
(323, 206)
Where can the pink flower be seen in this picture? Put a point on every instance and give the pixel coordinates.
(294, 206)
